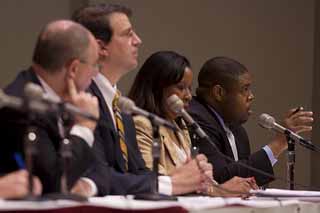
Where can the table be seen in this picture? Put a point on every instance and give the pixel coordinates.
(184, 204)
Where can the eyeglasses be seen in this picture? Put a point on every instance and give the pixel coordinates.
(95, 66)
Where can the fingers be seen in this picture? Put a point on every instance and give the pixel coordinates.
(187, 178)
(72, 88)
(294, 111)
(17, 177)
(252, 183)
(37, 186)
(84, 101)
(302, 117)
(201, 157)
(302, 128)
(14, 185)
(80, 188)
(299, 121)
(205, 167)
(188, 159)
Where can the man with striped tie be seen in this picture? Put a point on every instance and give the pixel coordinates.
(115, 142)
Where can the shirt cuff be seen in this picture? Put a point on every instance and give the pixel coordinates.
(270, 155)
(83, 132)
(93, 187)
(165, 185)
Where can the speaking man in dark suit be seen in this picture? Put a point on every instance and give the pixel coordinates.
(64, 61)
(222, 105)
(116, 144)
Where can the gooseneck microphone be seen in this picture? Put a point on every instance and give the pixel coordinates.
(129, 107)
(19, 103)
(176, 105)
(268, 122)
(35, 92)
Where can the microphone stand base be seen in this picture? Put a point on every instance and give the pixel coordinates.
(155, 197)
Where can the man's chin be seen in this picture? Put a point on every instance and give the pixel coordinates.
(242, 120)
(132, 66)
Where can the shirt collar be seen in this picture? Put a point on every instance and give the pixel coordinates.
(48, 90)
(220, 119)
(106, 88)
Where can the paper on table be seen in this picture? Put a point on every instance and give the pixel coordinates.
(285, 193)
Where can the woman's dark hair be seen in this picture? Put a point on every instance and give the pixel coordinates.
(161, 70)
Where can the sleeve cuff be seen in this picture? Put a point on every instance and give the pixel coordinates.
(165, 185)
(84, 133)
(270, 155)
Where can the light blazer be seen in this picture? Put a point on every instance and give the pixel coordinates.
(169, 158)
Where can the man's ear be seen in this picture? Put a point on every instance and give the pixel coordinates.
(103, 49)
(218, 92)
(72, 68)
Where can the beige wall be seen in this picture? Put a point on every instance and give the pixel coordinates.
(20, 23)
(273, 38)
(315, 171)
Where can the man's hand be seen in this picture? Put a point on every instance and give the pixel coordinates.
(235, 187)
(193, 176)
(207, 172)
(84, 101)
(297, 121)
(82, 188)
(15, 185)
(187, 178)
(205, 166)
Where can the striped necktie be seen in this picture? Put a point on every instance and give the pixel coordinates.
(120, 128)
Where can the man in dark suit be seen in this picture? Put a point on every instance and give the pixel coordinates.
(221, 106)
(118, 55)
(64, 62)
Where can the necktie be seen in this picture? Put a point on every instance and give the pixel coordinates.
(120, 128)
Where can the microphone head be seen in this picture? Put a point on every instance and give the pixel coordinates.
(3, 99)
(175, 104)
(33, 91)
(266, 121)
(126, 105)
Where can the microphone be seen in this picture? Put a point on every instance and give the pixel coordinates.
(129, 107)
(268, 122)
(35, 92)
(176, 105)
(22, 103)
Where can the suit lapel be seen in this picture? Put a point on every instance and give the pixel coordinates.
(214, 119)
(168, 137)
(167, 140)
(105, 116)
(49, 121)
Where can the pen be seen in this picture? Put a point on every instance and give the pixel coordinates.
(297, 110)
(19, 160)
